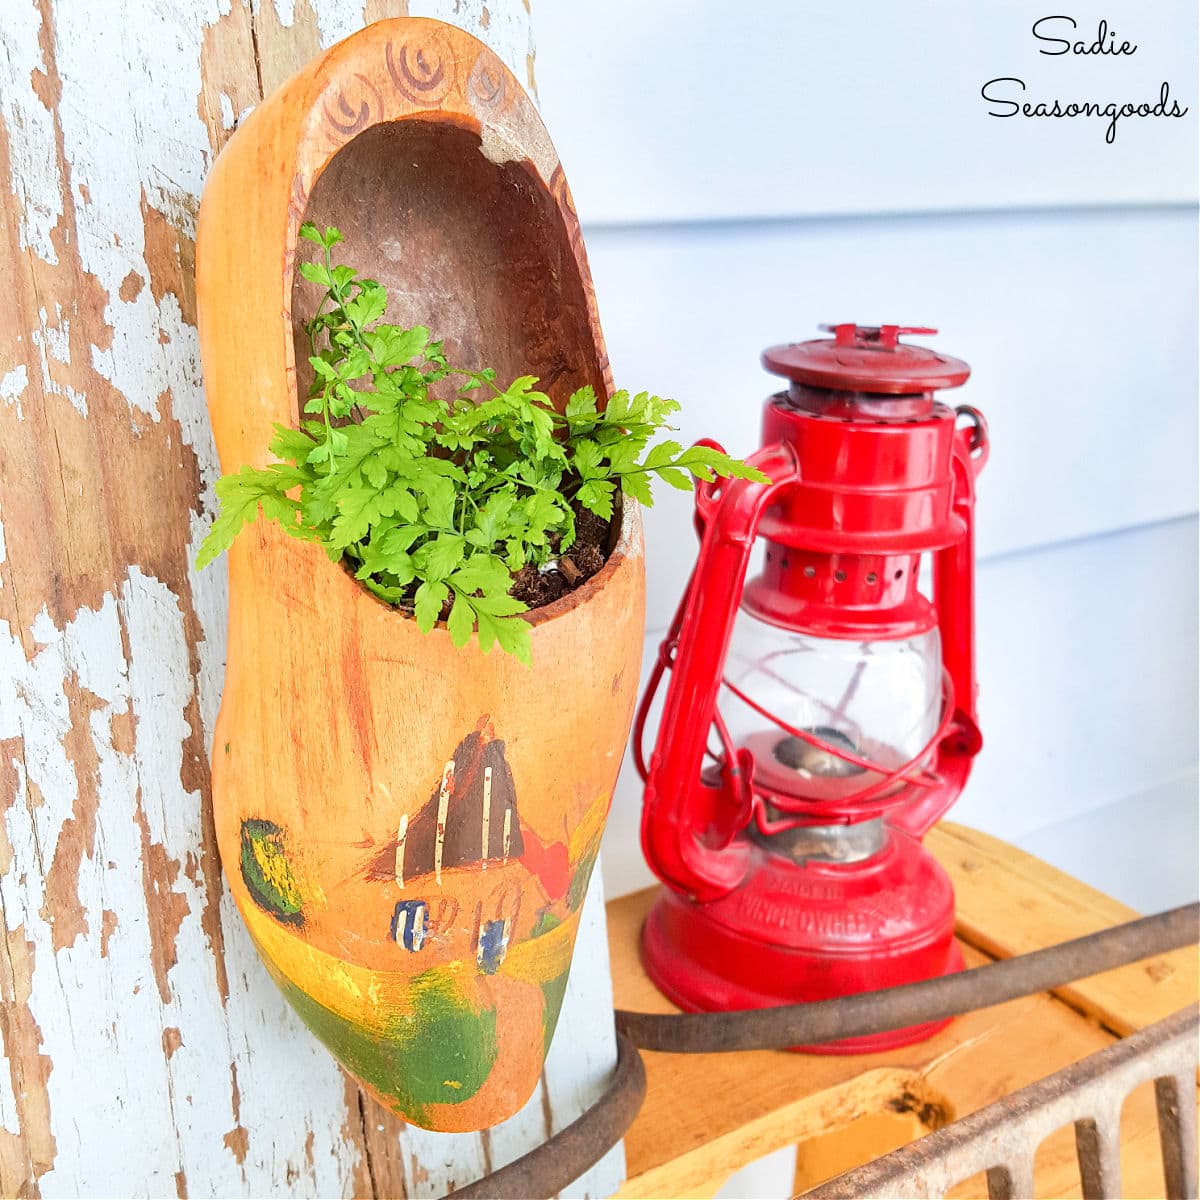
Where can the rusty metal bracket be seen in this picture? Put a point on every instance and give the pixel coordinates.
(914, 1003)
(1002, 1138)
(552, 1166)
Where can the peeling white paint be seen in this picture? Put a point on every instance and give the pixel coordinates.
(102, 1018)
(133, 132)
(210, 603)
(336, 19)
(12, 387)
(503, 24)
(30, 125)
(151, 146)
(42, 629)
(14, 383)
(10, 1120)
(276, 1059)
(285, 10)
(54, 341)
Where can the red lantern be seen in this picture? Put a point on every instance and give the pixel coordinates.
(787, 818)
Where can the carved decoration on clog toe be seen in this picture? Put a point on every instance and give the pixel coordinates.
(485, 86)
(422, 71)
(358, 105)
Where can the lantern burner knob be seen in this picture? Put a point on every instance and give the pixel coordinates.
(812, 760)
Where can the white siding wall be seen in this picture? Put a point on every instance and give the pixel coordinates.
(743, 178)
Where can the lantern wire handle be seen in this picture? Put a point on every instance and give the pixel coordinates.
(909, 772)
(904, 772)
(665, 659)
(666, 656)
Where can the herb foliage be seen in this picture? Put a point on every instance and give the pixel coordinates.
(436, 503)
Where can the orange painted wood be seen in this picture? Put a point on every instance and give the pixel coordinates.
(408, 828)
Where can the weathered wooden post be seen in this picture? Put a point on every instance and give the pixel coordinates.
(146, 1050)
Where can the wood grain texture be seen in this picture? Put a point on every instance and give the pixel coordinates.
(146, 1050)
(1049, 906)
(841, 1111)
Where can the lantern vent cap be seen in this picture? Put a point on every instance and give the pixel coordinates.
(867, 358)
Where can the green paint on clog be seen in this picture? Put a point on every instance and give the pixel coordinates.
(440, 1053)
(268, 874)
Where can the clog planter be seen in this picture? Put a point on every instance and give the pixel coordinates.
(408, 828)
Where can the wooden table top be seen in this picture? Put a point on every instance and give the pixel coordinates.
(706, 1116)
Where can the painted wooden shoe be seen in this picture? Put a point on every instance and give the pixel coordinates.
(408, 829)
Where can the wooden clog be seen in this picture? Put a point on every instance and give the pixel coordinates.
(408, 828)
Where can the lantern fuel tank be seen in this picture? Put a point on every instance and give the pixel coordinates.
(819, 716)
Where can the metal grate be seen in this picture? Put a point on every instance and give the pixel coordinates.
(1002, 1138)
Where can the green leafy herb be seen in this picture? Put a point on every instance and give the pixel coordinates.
(436, 496)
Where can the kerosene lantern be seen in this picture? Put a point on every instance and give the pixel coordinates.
(820, 717)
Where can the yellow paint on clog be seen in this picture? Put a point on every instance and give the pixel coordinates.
(367, 998)
(540, 959)
(589, 830)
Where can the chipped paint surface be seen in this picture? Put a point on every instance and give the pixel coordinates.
(53, 340)
(129, 658)
(286, 11)
(35, 180)
(128, 976)
(335, 18)
(13, 385)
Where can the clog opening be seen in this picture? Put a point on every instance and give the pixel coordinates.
(473, 249)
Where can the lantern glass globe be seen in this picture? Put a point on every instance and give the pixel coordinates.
(878, 702)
